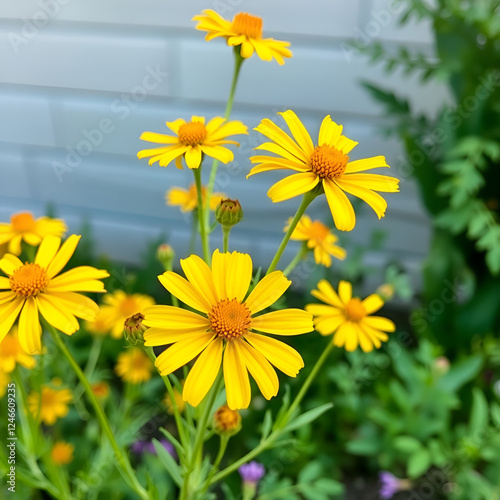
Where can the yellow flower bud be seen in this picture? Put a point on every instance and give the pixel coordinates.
(228, 212)
(227, 421)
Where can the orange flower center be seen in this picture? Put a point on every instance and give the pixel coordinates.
(246, 24)
(328, 162)
(23, 223)
(318, 231)
(29, 280)
(355, 310)
(192, 133)
(230, 319)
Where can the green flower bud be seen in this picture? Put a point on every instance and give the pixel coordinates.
(165, 254)
(228, 212)
(133, 329)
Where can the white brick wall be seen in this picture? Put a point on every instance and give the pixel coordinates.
(71, 67)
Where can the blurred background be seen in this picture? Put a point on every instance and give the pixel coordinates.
(80, 81)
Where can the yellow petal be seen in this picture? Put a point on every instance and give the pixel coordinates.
(220, 153)
(47, 251)
(63, 255)
(236, 379)
(272, 147)
(184, 291)
(79, 279)
(284, 322)
(340, 206)
(175, 125)
(380, 323)
(203, 374)
(9, 312)
(345, 291)
(57, 315)
(372, 303)
(329, 132)
(75, 303)
(182, 352)
(326, 325)
(30, 331)
(293, 185)
(9, 263)
(345, 144)
(327, 294)
(193, 157)
(365, 341)
(299, 132)
(267, 291)
(161, 336)
(232, 274)
(373, 199)
(365, 164)
(173, 318)
(281, 355)
(322, 310)
(200, 276)
(260, 369)
(159, 138)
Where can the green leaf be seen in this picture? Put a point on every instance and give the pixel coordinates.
(310, 472)
(479, 415)
(329, 486)
(460, 373)
(168, 462)
(418, 463)
(267, 425)
(307, 417)
(407, 444)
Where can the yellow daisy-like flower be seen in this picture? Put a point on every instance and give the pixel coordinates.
(24, 227)
(187, 199)
(134, 366)
(225, 321)
(49, 404)
(319, 238)
(244, 31)
(118, 306)
(326, 163)
(34, 288)
(11, 353)
(192, 140)
(99, 326)
(4, 382)
(349, 317)
(62, 453)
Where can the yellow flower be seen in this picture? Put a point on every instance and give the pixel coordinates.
(244, 31)
(118, 306)
(23, 227)
(318, 237)
(100, 389)
(36, 288)
(11, 353)
(349, 317)
(326, 163)
(4, 381)
(192, 140)
(134, 366)
(225, 321)
(178, 401)
(49, 404)
(62, 453)
(187, 199)
(100, 325)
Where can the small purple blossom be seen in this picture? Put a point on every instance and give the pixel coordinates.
(252, 472)
(389, 484)
(140, 447)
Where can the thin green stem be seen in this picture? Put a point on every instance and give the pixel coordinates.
(95, 351)
(306, 201)
(300, 255)
(226, 230)
(224, 440)
(238, 61)
(307, 383)
(194, 229)
(177, 416)
(201, 216)
(122, 460)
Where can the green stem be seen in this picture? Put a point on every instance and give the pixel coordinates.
(201, 216)
(225, 238)
(177, 416)
(194, 229)
(122, 460)
(307, 383)
(224, 440)
(300, 255)
(306, 201)
(238, 61)
(94, 353)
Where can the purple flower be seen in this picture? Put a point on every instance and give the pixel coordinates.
(389, 484)
(252, 472)
(140, 447)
